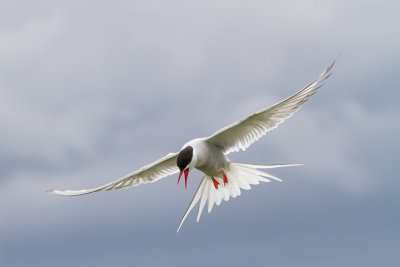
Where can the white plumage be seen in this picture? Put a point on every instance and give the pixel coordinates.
(241, 176)
(223, 179)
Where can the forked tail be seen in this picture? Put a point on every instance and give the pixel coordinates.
(239, 175)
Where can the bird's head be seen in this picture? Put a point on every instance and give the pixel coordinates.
(185, 161)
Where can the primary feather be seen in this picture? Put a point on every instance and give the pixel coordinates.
(148, 174)
(240, 135)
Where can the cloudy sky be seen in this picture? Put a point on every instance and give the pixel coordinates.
(92, 90)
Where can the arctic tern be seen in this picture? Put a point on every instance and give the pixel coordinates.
(223, 178)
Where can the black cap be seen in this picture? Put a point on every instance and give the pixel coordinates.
(184, 157)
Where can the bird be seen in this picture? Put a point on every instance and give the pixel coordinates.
(222, 178)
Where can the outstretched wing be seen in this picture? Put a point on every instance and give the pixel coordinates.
(242, 134)
(148, 174)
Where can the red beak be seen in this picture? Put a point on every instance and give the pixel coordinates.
(186, 172)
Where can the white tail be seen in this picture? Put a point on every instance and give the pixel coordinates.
(240, 176)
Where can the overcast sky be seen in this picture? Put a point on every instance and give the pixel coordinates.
(92, 90)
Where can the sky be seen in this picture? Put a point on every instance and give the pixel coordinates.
(93, 90)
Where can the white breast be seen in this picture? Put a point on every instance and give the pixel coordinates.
(207, 157)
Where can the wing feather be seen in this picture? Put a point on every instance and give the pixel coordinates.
(148, 174)
(240, 135)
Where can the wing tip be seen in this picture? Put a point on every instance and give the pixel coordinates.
(179, 227)
(70, 192)
(52, 191)
(57, 192)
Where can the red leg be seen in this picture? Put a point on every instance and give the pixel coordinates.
(215, 183)
(225, 179)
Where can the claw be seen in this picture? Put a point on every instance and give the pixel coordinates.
(225, 179)
(215, 183)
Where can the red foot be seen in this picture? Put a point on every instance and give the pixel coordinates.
(225, 179)
(215, 183)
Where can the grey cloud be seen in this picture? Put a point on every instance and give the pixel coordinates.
(90, 91)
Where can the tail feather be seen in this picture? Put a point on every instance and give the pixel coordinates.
(203, 200)
(199, 193)
(211, 196)
(263, 174)
(267, 166)
(240, 176)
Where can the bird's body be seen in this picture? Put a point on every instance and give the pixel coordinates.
(208, 157)
(223, 178)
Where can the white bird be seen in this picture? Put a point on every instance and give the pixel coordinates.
(223, 178)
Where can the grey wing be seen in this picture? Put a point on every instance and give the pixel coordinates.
(148, 174)
(242, 134)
